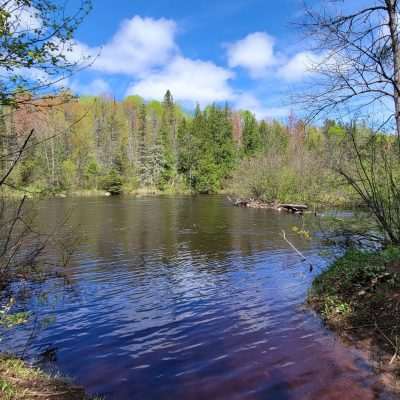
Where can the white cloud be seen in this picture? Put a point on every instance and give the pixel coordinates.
(78, 53)
(138, 46)
(189, 80)
(22, 18)
(33, 78)
(145, 50)
(247, 101)
(299, 66)
(255, 53)
(93, 88)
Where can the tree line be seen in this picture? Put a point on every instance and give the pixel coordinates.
(128, 145)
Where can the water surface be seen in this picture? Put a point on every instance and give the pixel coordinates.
(191, 298)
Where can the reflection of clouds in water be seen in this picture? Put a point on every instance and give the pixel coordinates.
(192, 299)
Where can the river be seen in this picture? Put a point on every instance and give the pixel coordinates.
(186, 298)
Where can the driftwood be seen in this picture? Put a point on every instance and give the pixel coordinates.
(293, 208)
(252, 203)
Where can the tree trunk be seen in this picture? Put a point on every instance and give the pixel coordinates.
(393, 27)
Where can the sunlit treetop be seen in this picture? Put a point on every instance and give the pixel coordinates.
(36, 38)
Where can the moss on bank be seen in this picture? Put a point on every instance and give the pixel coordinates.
(19, 381)
(359, 297)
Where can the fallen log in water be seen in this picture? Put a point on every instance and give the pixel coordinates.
(294, 208)
(252, 203)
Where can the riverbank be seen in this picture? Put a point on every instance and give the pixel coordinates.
(358, 297)
(19, 381)
(35, 194)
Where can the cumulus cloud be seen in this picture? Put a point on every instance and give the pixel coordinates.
(77, 52)
(255, 53)
(247, 101)
(139, 45)
(299, 66)
(32, 78)
(189, 80)
(145, 50)
(94, 88)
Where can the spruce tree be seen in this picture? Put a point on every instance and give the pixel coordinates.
(168, 139)
(142, 118)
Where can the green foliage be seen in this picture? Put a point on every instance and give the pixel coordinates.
(7, 389)
(9, 319)
(112, 182)
(68, 174)
(155, 146)
(92, 173)
(43, 46)
(168, 141)
(20, 381)
(205, 177)
(209, 152)
(334, 306)
(359, 291)
(274, 176)
(350, 272)
(251, 134)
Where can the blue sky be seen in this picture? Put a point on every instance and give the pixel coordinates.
(245, 52)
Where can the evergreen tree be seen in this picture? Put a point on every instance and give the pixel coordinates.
(124, 144)
(142, 128)
(251, 136)
(168, 139)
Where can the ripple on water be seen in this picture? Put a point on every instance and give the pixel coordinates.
(189, 298)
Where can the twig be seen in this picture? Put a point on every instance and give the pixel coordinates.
(19, 155)
(303, 258)
(393, 344)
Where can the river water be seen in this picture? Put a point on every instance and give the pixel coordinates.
(184, 298)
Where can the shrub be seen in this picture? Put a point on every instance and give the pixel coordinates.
(112, 182)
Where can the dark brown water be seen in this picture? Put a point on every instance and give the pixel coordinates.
(191, 298)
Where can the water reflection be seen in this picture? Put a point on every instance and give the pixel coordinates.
(190, 298)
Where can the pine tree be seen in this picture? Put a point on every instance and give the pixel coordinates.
(168, 139)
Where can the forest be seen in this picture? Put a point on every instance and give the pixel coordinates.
(185, 295)
(133, 146)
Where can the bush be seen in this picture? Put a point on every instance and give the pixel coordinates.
(112, 182)
(68, 174)
(92, 173)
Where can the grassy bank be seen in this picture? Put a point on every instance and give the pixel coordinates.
(148, 191)
(18, 381)
(358, 296)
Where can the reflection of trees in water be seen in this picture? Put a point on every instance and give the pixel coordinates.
(163, 232)
(182, 290)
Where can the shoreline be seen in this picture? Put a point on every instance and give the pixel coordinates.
(20, 381)
(250, 203)
(18, 194)
(294, 207)
(358, 298)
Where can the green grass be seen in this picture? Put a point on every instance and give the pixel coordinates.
(353, 278)
(359, 296)
(19, 381)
